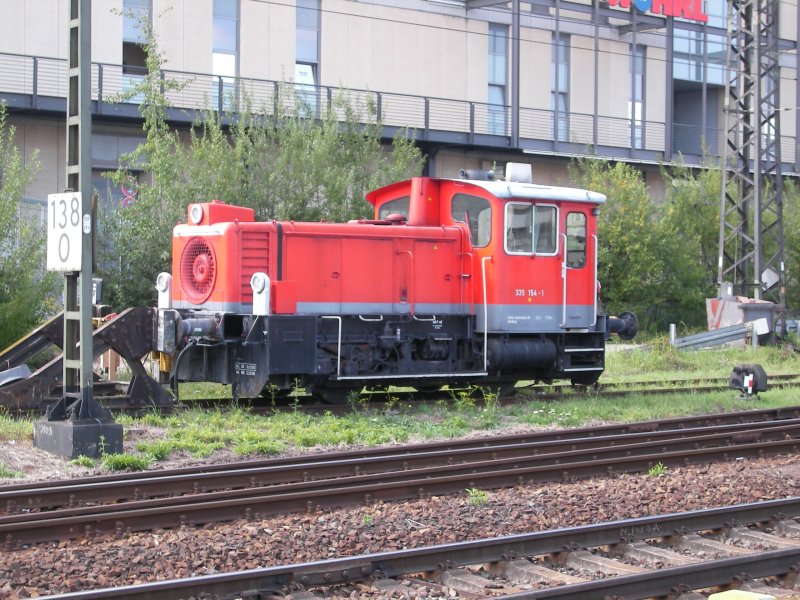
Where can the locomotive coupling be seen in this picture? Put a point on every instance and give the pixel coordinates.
(625, 325)
(171, 329)
(197, 327)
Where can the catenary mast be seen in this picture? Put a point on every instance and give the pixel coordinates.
(751, 245)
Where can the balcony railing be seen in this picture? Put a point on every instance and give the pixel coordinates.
(31, 79)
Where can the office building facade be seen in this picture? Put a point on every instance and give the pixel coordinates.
(642, 82)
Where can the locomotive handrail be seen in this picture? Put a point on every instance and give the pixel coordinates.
(416, 318)
(338, 343)
(484, 260)
(596, 274)
(371, 319)
(411, 287)
(466, 298)
(564, 283)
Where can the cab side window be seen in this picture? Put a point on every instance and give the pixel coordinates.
(394, 207)
(476, 212)
(576, 240)
(530, 229)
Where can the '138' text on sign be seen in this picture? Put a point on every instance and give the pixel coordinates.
(64, 232)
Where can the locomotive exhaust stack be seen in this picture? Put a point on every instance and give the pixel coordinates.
(438, 288)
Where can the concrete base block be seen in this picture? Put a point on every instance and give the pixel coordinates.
(71, 439)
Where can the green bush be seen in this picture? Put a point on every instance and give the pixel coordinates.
(657, 259)
(158, 450)
(27, 290)
(122, 462)
(84, 461)
(278, 162)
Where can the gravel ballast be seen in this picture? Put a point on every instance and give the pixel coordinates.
(139, 557)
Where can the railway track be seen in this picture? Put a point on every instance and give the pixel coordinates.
(163, 499)
(753, 547)
(113, 394)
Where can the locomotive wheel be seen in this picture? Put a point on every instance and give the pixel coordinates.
(505, 389)
(275, 394)
(588, 379)
(427, 389)
(337, 396)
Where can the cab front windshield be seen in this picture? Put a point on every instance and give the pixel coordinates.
(530, 228)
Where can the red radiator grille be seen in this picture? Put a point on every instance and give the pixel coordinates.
(198, 270)
(254, 257)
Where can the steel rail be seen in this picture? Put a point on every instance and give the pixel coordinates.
(662, 582)
(26, 528)
(117, 402)
(432, 558)
(77, 493)
(686, 423)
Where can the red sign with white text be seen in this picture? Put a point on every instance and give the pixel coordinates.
(687, 9)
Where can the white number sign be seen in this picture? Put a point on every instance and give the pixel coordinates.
(64, 232)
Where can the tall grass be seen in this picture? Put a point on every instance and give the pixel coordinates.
(202, 433)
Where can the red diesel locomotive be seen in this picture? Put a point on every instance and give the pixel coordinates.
(457, 282)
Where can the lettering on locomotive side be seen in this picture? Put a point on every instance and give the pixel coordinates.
(532, 293)
(514, 319)
(243, 368)
(437, 323)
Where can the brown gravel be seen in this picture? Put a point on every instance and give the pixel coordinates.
(139, 557)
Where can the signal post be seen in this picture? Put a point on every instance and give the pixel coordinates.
(76, 425)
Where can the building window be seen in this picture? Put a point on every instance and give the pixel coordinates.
(559, 98)
(135, 14)
(636, 96)
(699, 56)
(224, 54)
(498, 61)
(306, 69)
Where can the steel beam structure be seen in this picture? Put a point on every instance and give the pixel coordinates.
(78, 288)
(751, 210)
(77, 425)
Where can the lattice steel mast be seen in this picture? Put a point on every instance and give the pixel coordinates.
(751, 211)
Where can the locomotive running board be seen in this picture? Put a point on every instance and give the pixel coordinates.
(129, 334)
(420, 376)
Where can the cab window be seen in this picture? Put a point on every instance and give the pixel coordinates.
(576, 240)
(530, 229)
(476, 212)
(395, 207)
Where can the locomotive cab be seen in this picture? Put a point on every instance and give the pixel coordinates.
(532, 249)
(532, 267)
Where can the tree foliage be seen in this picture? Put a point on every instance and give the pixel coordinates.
(27, 291)
(791, 234)
(657, 259)
(280, 161)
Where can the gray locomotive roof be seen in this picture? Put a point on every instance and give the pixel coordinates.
(532, 191)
